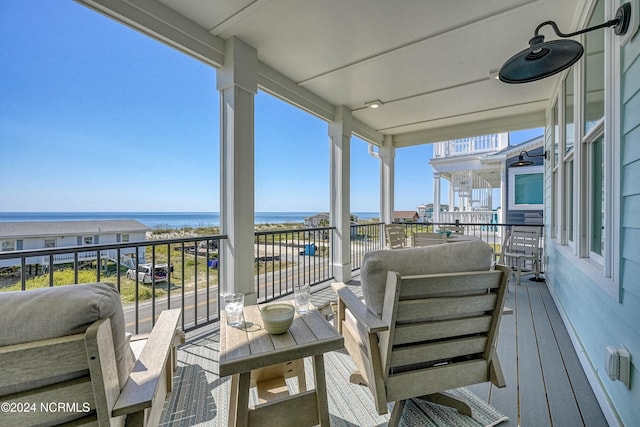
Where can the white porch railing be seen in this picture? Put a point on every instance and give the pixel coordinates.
(466, 146)
(469, 217)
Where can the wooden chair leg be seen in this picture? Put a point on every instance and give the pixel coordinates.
(396, 413)
(520, 263)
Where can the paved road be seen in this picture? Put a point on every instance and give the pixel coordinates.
(198, 301)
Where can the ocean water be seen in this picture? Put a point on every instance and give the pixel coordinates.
(165, 219)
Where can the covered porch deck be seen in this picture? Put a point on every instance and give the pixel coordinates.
(546, 385)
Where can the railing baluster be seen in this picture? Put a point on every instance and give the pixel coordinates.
(153, 285)
(284, 256)
(182, 283)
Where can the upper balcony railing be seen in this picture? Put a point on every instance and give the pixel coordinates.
(466, 146)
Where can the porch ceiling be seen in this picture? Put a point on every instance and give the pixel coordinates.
(429, 62)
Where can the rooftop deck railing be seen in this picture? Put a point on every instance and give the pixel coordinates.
(283, 258)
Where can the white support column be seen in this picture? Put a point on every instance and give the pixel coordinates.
(340, 147)
(452, 197)
(387, 154)
(237, 83)
(503, 193)
(436, 197)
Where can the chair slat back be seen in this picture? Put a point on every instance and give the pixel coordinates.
(439, 322)
(57, 370)
(395, 236)
(427, 239)
(525, 240)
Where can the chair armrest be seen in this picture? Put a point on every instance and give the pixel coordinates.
(370, 321)
(149, 370)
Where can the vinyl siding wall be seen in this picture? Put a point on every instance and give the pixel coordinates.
(596, 318)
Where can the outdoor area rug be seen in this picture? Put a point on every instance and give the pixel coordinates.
(352, 405)
(421, 413)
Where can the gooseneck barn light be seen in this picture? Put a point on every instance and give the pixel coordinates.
(543, 59)
(522, 162)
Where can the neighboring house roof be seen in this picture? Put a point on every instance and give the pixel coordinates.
(318, 215)
(405, 214)
(514, 150)
(64, 228)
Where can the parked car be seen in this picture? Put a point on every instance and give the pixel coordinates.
(161, 273)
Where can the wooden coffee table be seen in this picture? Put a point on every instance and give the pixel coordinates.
(252, 356)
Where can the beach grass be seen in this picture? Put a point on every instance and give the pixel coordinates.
(186, 265)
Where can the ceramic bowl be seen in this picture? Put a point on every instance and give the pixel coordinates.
(277, 318)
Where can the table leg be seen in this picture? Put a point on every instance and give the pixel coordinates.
(233, 400)
(321, 390)
(239, 400)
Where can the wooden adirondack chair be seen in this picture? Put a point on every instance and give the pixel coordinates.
(427, 239)
(522, 252)
(70, 349)
(394, 234)
(436, 332)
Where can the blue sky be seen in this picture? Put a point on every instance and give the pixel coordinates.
(97, 117)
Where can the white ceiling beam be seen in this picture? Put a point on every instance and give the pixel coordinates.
(152, 18)
(367, 133)
(280, 86)
(484, 127)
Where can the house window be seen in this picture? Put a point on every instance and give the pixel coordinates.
(87, 240)
(49, 243)
(596, 194)
(569, 139)
(594, 72)
(8, 245)
(124, 238)
(527, 188)
(555, 135)
(568, 191)
(568, 113)
(593, 140)
(586, 174)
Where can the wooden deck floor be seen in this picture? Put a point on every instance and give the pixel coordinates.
(546, 385)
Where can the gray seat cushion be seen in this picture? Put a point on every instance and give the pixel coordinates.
(65, 310)
(446, 258)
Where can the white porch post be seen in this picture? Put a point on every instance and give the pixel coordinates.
(387, 154)
(452, 198)
(503, 193)
(436, 197)
(237, 83)
(340, 141)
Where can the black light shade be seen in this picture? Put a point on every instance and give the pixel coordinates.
(522, 162)
(543, 59)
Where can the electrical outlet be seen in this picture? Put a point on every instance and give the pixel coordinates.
(617, 364)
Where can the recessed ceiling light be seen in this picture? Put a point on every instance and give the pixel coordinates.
(374, 104)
